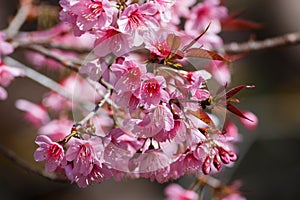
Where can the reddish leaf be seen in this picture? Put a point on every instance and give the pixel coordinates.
(203, 116)
(238, 24)
(202, 53)
(235, 90)
(173, 41)
(236, 111)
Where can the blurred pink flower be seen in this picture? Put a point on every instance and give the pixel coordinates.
(176, 192)
(34, 113)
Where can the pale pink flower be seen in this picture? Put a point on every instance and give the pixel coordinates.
(111, 40)
(203, 14)
(87, 15)
(129, 75)
(176, 192)
(94, 69)
(135, 19)
(57, 129)
(50, 151)
(181, 9)
(84, 154)
(98, 174)
(159, 118)
(164, 9)
(34, 113)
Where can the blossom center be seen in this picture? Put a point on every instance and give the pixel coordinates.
(151, 87)
(54, 151)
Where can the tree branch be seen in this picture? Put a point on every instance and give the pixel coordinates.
(25, 166)
(284, 40)
(19, 19)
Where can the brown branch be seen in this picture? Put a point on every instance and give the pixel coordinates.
(25, 166)
(284, 40)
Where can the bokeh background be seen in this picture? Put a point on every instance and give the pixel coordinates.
(269, 164)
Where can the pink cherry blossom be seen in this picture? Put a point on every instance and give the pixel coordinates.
(84, 154)
(152, 91)
(135, 19)
(50, 151)
(176, 192)
(87, 15)
(98, 174)
(164, 8)
(203, 14)
(112, 40)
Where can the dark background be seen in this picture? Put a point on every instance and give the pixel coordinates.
(269, 163)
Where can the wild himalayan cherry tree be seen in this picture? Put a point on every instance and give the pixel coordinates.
(145, 92)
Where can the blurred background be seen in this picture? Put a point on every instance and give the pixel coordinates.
(269, 164)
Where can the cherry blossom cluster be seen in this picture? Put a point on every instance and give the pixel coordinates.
(150, 99)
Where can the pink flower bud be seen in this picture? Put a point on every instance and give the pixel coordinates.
(206, 165)
(216, 162)
(224, 155)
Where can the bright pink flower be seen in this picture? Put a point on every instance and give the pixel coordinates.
(156, 42)
(50, 151)
(152, 91)
(135, 19)
(176, 192)
(7, 73)
(34, 113)
(84, 154)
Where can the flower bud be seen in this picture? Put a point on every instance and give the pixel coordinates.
(206, 165)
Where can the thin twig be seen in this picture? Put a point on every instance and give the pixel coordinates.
(19, 19)
(67, 62)
(44, 81)
(24, 165)
(279, 41)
